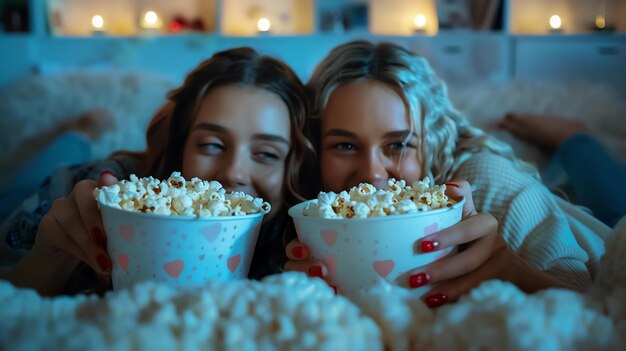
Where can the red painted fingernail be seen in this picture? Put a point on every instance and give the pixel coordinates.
(436, 300)
(315, 271)
(417, 280)
(104, 262)
(453, 185)
(428, 246)
(98, 236)
(298, 252)
(107, 172)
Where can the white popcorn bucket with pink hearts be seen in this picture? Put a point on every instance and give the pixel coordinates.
(363, 253)
(178, 250)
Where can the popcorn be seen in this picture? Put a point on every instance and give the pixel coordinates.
(366, 201)
(177, 196)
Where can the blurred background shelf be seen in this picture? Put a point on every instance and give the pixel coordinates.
(465, 40)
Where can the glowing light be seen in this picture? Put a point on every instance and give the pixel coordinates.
(263, 24)
(97, 22)
(151, 18)
(419, 21)
(600, 22)
(151, 21)
(555, 22)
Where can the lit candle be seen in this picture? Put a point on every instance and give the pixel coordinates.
(263, 25)
(151, 22)
(600, 22)
(555, 24)
(97, 22)
(420, 23)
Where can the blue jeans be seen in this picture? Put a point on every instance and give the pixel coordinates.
(67, 149)
(598, 181)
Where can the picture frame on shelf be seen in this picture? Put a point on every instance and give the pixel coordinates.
(454, 14)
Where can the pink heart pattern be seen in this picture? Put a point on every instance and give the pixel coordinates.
(126, 232)
(212, 232)
(433, 228)
(174, 268)
(383, 268)
(201, 257)
(123, 261)
(233, 262)
(329, 236)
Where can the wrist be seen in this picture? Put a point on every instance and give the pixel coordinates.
(530, 279)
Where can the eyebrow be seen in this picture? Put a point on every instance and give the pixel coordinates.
(219, 129)
(400, 133)
(390, 135)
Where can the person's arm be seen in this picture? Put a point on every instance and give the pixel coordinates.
(597, 179)
(18, 234)
(531, 222)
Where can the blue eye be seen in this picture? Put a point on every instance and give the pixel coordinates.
(344, 147)
(398, 146)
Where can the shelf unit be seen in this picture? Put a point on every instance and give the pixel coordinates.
(514, 44)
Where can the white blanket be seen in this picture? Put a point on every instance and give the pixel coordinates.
(291, 311)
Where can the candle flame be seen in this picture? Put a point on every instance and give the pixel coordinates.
(419, 21)
(97, 21)
(263, 24)
(555, 22)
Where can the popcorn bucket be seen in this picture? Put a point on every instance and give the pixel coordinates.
(362, 253)
(178, 250)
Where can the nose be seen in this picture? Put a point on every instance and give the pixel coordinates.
(373, 169)
(235, 173)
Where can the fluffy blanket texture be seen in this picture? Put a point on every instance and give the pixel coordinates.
(290, 311)
(37, 103)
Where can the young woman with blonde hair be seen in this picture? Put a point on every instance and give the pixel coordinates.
(379, 111)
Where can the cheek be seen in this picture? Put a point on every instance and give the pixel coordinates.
(270, 185)
(194, 165)
(188, 163)
(411, 168)
(334, 172)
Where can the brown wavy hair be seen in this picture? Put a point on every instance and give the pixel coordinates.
(168, 131)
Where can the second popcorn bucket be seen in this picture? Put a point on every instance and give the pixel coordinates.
(180, 250)
(364, 253)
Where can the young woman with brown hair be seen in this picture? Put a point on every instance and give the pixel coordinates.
(238, 118)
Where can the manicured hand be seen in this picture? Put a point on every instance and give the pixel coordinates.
(477, 234)
(72, 230)
(299, 261)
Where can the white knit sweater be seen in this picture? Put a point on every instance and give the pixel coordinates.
(546, 231)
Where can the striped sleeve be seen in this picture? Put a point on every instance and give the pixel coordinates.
(530, 220)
